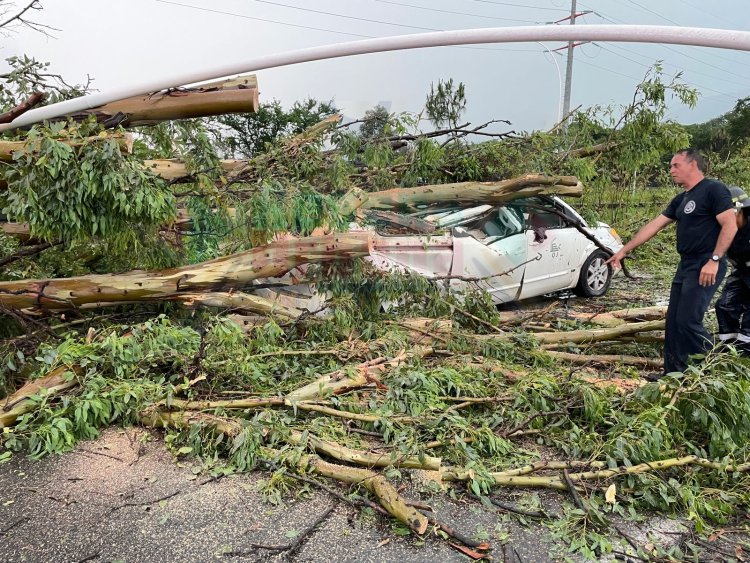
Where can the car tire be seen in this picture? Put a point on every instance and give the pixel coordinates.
(596, 275)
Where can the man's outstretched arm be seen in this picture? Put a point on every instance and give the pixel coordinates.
(645, 234)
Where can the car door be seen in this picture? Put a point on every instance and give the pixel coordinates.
(490, 254)
(555, 242)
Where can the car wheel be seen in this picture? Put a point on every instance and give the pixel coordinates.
(596, 275)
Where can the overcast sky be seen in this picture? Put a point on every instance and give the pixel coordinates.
(119, 42)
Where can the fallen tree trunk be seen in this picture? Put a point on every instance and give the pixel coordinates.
(239, 95)
(271, 260)
(463, 192)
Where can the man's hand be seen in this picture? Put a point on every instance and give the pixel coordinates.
(616, 260)
(707, 276)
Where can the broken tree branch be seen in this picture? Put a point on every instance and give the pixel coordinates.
(464, 192)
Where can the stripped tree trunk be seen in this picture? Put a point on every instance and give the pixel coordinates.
(234, 96)
(464, 192)
(236, 270)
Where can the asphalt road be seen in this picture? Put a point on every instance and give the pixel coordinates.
(123, 498)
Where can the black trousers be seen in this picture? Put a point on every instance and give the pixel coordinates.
(732, 309)
(688, 302)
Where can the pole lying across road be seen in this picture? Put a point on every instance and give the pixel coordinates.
(696, 36)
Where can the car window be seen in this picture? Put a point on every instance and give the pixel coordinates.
(539, 213)
(499, 223)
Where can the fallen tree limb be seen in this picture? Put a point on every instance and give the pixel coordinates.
(20, 402)
(621, 316)
(7, 148)
(34, 99)
(584, 335)
(27, 252)
(235, 270)
(657, 465)
(582, 359)
(238, 302)
(342, 381)
(176, 171)
(374, 482)
(367, 459)
(254, 403)
(464, 192)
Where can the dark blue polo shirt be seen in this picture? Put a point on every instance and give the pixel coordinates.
(695, 212)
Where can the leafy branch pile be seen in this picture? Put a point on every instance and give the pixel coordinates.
(345, 396)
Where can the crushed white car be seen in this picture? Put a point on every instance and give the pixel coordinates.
(516, 250)
(522, 249)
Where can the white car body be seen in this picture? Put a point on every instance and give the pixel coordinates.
(496, 248)
(513, 251)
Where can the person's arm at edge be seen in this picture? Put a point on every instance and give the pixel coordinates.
(728, 221)
(646, 233)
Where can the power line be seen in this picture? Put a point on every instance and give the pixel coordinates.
(292, 7)
(703, 11)
(649, 10)
(520, 5)
(201, 8)
(689, 83)
(608, 69)
(674, 50)
(233, 14)
(713, 77)
(455, 13)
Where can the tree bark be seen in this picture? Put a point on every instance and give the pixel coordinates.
(367, 459)
(235, 96)
(236, 270)
(7, 148)
(607, 359)
(19, 403)
(622, 316)
(175, 170)
(34, 99)
(242, 302)
(585, 335)
(464, 192)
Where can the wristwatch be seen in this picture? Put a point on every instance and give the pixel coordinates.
(715, 257)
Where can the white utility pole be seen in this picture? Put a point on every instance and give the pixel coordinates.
(157, 79)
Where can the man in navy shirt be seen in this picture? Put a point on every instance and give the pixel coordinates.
(706, 225)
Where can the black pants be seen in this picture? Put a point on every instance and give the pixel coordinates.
(732, 309)
(688, 302)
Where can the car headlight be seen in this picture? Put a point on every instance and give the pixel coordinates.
(613, 232)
